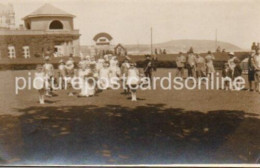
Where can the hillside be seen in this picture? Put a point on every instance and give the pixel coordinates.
(176, 46)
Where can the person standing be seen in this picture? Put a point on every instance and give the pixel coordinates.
(48, 70)
(70, 72)
(200, 66)
(124, 69)
(256, 64)
(209, 64)
(148, 67)
(191, 64)
(133, 80)
(231, 63)
(251, 71)
(180, 63)
(39, 82)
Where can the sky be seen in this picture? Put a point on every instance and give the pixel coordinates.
(130, 21)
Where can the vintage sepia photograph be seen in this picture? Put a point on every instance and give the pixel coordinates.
(129, 82)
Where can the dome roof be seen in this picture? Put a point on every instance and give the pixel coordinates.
(103, 34)
(48, 10)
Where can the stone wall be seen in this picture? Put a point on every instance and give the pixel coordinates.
(39, 44)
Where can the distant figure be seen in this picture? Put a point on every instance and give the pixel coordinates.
(251, 71)
(180, 63)
(148, 67)
(104, 78)
(70, 72)
(237, 71)
(256, 63)
(61, 73)
(48, 70)
(226, 73)
(231, 62)
(191, 64)
(124, 69)
(209, 63)
(133, 80)
(154, 63)
(39, 82)
(253, 47)
(200, 66)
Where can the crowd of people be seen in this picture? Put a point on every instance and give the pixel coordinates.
(199, 66)
(107, 67)
(105, 70)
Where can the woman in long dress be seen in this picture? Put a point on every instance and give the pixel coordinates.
(209, 64)
(133, 80)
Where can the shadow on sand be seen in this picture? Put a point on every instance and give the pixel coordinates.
(113, 134)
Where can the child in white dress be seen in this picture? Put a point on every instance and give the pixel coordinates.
(104, 74)
(124, 68)
(49, 74)
(133, 80)
(61, 73)
(39, 81)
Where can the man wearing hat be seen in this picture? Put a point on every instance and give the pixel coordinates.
(148, 67)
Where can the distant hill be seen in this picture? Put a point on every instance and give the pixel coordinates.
(176, 46)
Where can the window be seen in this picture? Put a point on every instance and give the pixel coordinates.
(11, 52)
(26, 52)
(56, 25)
(102, 40)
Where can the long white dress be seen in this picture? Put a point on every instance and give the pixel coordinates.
(104, 78)
(87, 88)
(99, 64)
(133, 76)
(209, 63)
(39, 80)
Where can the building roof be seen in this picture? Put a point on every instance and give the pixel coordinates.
(48, 10)
(102, 34)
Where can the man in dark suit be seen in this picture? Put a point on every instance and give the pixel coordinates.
(148, 67)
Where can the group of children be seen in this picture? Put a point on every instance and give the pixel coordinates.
(88, 76)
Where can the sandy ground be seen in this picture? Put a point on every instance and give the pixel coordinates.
(163, 126)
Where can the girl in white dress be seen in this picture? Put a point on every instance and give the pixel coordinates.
(89, 81)
(133, 80)
(115, 71)
(104, 74)
(81, 75)
(99, 64)
(39, 81)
